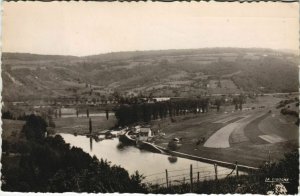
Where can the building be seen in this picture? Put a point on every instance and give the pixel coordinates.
(145, 134)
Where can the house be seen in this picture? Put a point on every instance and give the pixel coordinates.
(145, 134)
(137, 129)
(159, 99)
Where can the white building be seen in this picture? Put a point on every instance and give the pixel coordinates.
(145, 134)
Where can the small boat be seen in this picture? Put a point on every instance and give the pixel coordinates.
(126, 139)
(148, 146)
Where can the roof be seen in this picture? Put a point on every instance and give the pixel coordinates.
(145, 129)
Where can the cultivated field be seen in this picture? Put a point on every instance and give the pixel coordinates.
(250, 137)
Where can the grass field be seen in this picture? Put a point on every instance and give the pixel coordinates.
(246, 130)
(81, 125)
(11, 129)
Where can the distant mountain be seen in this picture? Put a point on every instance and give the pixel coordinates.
(190, 72)
(34, 57)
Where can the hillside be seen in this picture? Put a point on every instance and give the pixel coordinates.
(190, 72)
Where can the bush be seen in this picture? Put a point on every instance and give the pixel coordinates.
(286, 111)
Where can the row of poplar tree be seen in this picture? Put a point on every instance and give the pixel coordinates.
(145, 112)
(127, 114)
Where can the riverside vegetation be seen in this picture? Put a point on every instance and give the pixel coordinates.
(48, 164)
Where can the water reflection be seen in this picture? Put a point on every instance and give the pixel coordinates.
(73, 115)
(120, 146)
(172, 159)
(91, 144)
(132, 158)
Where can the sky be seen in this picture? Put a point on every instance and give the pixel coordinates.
(88, 28)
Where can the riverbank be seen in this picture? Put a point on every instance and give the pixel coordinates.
(231, 165)
(244, 130)
(285, 169)
(127, 140)
(71, 169)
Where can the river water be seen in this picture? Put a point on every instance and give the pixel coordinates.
(100, 114)
(71, 113)
(151, 165)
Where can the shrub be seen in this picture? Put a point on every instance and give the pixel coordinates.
(286, 111)
(35, 128)
(52, 166)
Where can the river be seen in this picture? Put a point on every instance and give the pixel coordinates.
(71, 113)
(151, 165)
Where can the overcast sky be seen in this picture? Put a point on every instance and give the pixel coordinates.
(86, 28)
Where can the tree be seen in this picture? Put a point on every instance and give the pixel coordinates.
(107, 114)
(218, 104)
(116, 95)
(59, 113)
(35, 128)
(7, 115)
(51, 122)
(90, 125)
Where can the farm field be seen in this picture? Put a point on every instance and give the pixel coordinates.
(250, 137)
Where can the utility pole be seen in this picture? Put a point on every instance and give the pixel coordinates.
(167, 180)
(191, 177)
(216, 171)
(237, 169)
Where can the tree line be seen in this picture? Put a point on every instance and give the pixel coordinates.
(127, 114)
(10, 116)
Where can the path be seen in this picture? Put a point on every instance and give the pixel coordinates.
(220, 139)
(13, 79)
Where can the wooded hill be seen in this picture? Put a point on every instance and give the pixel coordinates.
(184, 73)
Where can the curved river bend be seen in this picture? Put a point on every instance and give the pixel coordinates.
(151, 165)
